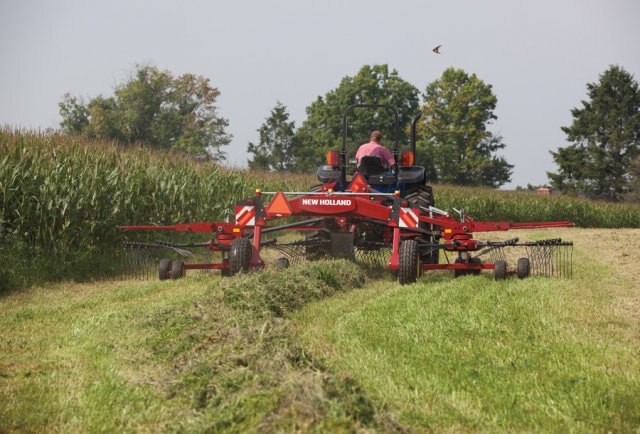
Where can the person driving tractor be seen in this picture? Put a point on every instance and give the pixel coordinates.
(375, 149)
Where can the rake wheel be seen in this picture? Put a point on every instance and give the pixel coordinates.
(409, 262)
(177, 269)
(523, 270)
(500, 270)
(164, 268)
(282, 263)
(239, 256)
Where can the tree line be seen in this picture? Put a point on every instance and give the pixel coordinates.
(455, 144)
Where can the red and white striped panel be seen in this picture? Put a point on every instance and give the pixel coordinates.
(408, 218)
(246, 215)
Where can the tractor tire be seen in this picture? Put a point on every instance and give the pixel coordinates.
(239, 256)
(524, 268)
(164, 268)
(422, 197)
(177, 270)
(500, 270)
(410, 264)
(282, 263)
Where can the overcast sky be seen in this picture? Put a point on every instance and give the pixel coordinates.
(538, 55)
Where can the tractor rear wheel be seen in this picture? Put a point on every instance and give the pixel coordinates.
(422, 197)
(410, 265)
(164, 268)
(523, 270)
(239, 256)
(500, 270)
(177, 269)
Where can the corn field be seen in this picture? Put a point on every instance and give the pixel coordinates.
(58, 193)
(515, 206)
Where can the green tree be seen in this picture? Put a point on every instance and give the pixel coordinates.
(155, 108)
(322, 130)
(454, 144)
(634, 184)
(277, 139)
(75, 116)
(605, 136)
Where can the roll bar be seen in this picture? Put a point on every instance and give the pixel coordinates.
(344, 134)
(413, 131)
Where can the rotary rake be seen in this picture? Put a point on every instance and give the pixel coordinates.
(376, 215)
(346, 220)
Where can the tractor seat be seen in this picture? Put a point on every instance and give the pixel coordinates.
(371, 165)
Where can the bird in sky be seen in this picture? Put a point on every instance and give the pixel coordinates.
(437, 49)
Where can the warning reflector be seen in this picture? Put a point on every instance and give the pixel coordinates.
(359, 184)
(245, 215)
(279, 205)
(408, 218)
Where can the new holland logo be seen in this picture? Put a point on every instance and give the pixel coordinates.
(327, 202)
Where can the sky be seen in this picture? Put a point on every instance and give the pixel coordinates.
(537, 55)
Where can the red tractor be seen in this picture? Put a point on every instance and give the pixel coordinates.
(364, 210)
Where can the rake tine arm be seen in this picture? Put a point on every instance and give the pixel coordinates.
(181, 227)
(492, 245)
(541, 225)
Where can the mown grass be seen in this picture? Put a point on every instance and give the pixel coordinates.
(223, 355)
(196, 355)
(473, 354)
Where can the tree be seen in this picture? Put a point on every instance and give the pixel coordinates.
(276, 145)
(75, 116)
(155, 108)
(605, 136)
(454, 144)
(634, 184)
(322, 130)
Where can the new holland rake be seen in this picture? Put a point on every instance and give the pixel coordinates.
(362, 225)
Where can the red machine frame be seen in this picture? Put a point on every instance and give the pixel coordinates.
(347, 209)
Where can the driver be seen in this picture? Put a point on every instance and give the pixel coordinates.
(374, 148)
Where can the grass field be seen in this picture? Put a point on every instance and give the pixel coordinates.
(473, 354)
(320, 349)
